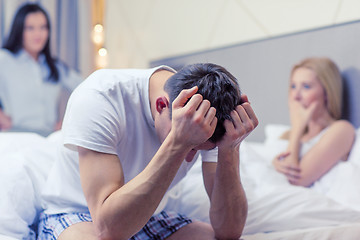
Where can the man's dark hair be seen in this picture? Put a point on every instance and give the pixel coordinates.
(14, 42)
(215, 84)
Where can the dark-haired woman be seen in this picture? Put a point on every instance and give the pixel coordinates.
(30, 79)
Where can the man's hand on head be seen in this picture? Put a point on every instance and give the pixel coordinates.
(244, 121)
(193, 118)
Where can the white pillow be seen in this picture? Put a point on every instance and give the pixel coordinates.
(14, 141)
(274, 131)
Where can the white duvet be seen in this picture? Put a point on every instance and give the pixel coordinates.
(25, 160)
(274, 204)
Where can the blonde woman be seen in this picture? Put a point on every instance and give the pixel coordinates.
(318, 138)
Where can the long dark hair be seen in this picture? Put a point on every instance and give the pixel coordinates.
(14, 42)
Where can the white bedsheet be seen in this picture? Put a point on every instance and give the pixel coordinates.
(25, 160)
(274, 204)
(343, 232)
(339, 184)
(277, 210)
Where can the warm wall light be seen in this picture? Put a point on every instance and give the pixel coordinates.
(98, 28)
(102, 52)
(98, 34)
(101, 58)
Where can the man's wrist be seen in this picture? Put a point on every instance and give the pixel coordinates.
(229, 155)
(176, 146)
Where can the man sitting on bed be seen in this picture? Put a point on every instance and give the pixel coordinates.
(133, 134)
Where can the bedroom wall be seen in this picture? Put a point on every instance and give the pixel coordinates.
(139, 31)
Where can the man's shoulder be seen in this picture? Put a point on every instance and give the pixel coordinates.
(112, 75)
(127, 73)
(100, 73)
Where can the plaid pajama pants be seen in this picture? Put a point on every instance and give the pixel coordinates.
(159, 226)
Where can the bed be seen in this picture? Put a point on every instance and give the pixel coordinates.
(277, 210)
(25, 160)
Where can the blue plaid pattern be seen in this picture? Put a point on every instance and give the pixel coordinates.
(51, 226)
(159, 226)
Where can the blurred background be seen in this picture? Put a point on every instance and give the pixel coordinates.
(91, 34)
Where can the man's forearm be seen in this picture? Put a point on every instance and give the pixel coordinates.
(228, 209)
(128, 209)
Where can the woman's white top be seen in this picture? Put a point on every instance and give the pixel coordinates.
(26, 93)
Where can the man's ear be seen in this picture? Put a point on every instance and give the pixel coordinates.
(161, 103)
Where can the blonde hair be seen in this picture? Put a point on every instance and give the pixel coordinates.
(329, 76)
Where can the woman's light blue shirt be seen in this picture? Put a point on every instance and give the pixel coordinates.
(26, 93)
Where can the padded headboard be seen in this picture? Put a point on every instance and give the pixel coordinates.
(263, 67)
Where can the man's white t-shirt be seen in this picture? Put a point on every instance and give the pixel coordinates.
(109, 113)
